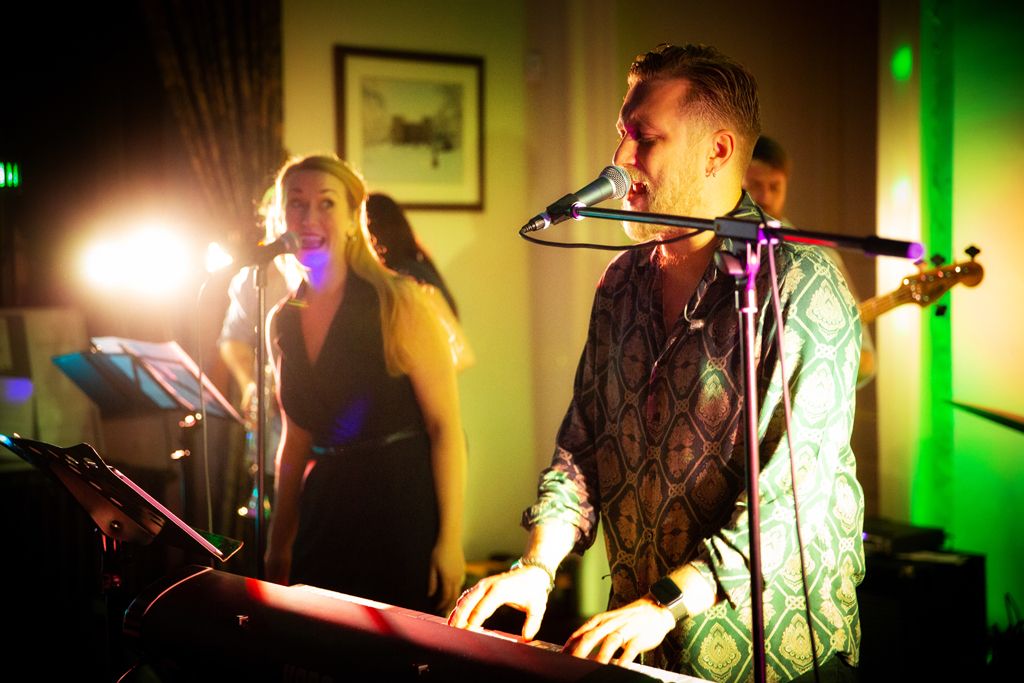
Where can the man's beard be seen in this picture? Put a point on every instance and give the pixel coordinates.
(682, 196)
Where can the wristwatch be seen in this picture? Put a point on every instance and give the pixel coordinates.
(666, 593)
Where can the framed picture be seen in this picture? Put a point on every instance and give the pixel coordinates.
(412, 123)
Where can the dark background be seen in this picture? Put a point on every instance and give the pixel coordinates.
(84, 113)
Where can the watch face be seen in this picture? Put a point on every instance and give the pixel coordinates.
(666, 591)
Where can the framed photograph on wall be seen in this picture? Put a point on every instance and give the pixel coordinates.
(413, 124)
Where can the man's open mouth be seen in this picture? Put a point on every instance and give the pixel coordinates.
(637, 189)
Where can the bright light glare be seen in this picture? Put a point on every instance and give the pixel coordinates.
(902, 192)
(217, 258)
(151, 261)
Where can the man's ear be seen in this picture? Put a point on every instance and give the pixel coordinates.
(720, 150)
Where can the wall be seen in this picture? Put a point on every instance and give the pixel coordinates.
(479, 254)
(987, 465)
(949, 185)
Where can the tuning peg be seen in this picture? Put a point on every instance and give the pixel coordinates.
(940, 310)
(937, 260)
(920, 265)
(972, 251)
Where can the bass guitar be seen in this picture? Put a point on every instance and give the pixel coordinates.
(925, 288)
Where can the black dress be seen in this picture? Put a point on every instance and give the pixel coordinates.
(368, 515)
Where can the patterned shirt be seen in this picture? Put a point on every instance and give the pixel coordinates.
(653, 443)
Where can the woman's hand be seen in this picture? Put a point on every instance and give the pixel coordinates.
(447, 573)
(277, 565)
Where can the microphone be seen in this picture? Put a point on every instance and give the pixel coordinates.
(613, 183)
(261, 254)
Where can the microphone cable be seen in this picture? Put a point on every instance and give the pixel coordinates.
(609, 247)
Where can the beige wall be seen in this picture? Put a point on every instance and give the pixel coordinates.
(482, 259)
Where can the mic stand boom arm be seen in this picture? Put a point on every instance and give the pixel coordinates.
(743, 264)
(749, 230)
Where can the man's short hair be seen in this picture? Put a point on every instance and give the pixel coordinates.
(721, 90)
(771, 153)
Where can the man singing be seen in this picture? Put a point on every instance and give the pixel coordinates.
(653, 441)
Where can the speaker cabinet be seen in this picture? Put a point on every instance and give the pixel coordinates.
(923, 617)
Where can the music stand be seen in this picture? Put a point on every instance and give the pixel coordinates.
(123, 376)
(120, 508)
(132, 380)
(123, 512)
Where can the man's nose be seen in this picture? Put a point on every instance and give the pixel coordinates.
(625, 153)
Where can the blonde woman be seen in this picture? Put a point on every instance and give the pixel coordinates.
(370, 473)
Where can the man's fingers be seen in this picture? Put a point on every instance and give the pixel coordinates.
(490, 600)
(463, 608)
(610, 644)
(629, 653)
(532, 624)
(588, 636)
(474, 607)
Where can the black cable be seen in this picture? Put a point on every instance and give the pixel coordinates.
(607, 247)
(780, 348)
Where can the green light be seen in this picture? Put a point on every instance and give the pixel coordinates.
(902, 64)
(10, 176)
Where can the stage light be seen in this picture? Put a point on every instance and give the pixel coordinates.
(902, 63)
(153, 260)
(217, 258)
(10, 174)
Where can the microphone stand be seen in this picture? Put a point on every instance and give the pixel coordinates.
(261, 410)
(743, 264)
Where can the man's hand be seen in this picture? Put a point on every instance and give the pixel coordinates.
(524, 588)
(638, 627)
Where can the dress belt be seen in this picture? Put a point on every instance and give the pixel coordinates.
(366, 444)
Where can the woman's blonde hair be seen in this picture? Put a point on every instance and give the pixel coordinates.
(403, 301)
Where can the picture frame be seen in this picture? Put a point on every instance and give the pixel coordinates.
(413, 124)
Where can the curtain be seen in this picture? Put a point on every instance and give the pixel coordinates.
(220, 61)
(221, 65)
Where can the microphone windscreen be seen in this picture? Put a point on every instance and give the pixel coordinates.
(620, 180)
(289, 242)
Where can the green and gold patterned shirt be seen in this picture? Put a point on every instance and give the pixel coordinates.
(653, 443)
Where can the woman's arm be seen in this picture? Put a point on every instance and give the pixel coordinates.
(433, 380)
(291, 465)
